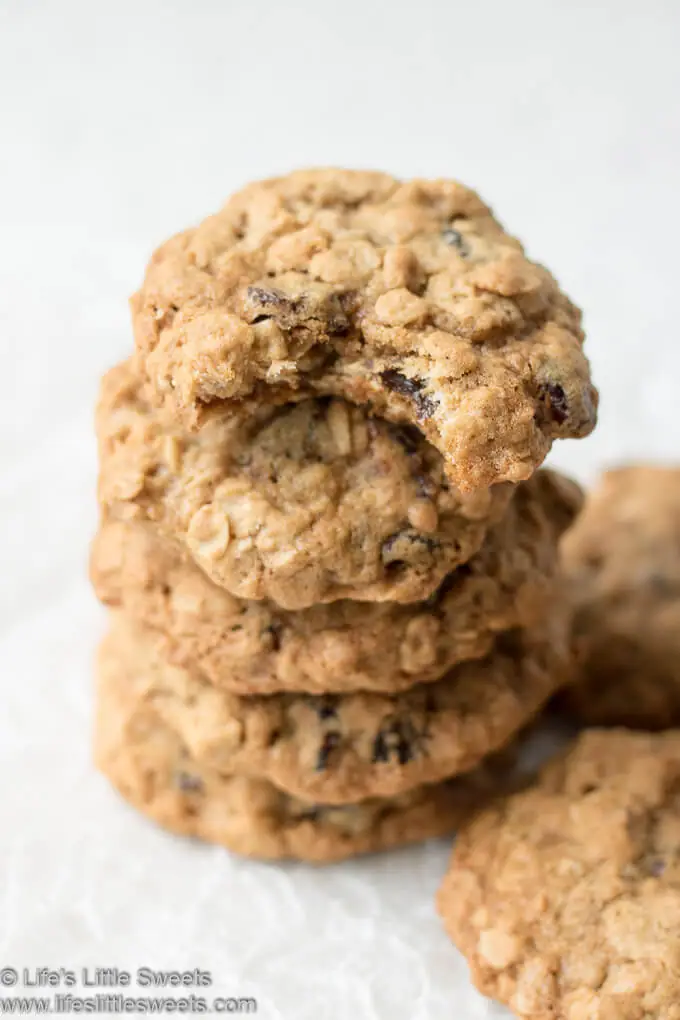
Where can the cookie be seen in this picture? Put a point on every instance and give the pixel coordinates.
(622, 561)
(342, 748)
(408, 298)
(257, 648)
(151, 767)
(566, 899)
(320, 502)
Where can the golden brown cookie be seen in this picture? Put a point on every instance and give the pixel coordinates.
(257, 648)
(317, 503)
(622, 560)
(408, 298)
(565, 899)
(151, 767)
(342, 748)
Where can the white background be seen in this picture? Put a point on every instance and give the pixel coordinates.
(123, 122)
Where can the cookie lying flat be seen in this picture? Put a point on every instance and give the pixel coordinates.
(622, 559)
(147, 762)
(318, 503)
(256, 648)
(566, 899)
(405, 297)
(342, 748)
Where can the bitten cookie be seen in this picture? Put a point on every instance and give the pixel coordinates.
(622, 560)
(566, 899)
(408, 298)
(342, 748)
(257, 648)
(317, 503)
(150, 766)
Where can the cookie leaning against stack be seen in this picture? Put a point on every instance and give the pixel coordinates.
(565, 898)
(331, 559)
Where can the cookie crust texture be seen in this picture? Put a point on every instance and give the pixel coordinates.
(622, 563)
(343, 748)
(566, 899)
(317, 503)
(406, 297)
(151, 768)
(257, 648)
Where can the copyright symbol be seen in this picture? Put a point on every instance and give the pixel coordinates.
(8, 977)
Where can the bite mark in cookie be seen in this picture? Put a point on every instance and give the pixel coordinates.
(309, 503)
(406, 297)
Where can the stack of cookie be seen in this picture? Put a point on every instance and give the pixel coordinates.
(329, 554)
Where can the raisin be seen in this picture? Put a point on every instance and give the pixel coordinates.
(411, 388)
(424, 485)
(325, 705)
(269, 303)
(330, 742)
(348, 301)
(554, 400)
(447, 586)
(406, 547)
(400, 739)
(274, 630)
(188, 783)
(455, 239)
(430, 704)
(274, 737)
(663, 586)
(407, 436)
(656, 866)
(327, 708)
(311, 814)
